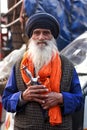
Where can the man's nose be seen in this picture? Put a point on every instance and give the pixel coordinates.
(41, 36)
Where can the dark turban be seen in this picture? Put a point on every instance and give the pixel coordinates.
(44, 21)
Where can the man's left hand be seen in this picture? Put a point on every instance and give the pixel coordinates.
(52, 100)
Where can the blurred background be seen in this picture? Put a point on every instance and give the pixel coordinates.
(72, 42)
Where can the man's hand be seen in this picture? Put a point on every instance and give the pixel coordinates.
(35, 93)
(52, 100)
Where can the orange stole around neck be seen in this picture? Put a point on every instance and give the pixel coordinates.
(50, 76)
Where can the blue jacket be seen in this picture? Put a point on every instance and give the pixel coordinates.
(73, 100)
(71, 14)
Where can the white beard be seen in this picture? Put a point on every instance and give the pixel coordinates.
(41, 54)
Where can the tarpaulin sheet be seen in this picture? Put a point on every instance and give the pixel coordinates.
(71, 14)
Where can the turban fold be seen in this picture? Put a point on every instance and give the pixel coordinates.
(43, 21)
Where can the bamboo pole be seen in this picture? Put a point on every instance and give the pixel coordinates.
(10, 24)
(13, 7)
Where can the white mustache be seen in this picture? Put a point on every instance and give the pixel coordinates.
(46, 42)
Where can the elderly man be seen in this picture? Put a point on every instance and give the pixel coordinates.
(48, 103)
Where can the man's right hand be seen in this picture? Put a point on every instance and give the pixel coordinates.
(36, 93)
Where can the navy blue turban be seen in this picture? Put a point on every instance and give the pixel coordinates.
(44, 21)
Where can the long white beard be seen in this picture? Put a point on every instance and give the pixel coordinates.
(41, 54)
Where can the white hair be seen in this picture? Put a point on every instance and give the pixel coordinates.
(42, 53)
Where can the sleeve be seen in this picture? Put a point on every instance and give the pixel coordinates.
(10, 97)
(73, 100)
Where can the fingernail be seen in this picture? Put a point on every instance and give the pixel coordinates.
(47, 90)
(43, 101)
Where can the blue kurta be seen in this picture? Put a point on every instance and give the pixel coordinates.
(73, 100)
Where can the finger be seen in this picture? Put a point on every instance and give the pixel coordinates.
(39, 100)
(36, 87)
(39, 96)
(38, 91)
(45, 106)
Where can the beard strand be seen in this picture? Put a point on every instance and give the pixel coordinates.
(41, 54)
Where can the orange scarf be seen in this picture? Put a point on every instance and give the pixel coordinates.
(50, 76)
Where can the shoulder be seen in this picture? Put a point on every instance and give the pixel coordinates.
(67, 68)
(65, 61)
(17, 65)
(67, 73)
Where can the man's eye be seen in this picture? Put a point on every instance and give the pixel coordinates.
(46, 32)
(36, 33)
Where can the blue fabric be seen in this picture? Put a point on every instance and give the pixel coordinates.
(72, 16)
(72, 100)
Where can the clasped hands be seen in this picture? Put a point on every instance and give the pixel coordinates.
(40, 94)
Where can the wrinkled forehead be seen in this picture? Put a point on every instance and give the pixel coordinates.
(42, 30)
